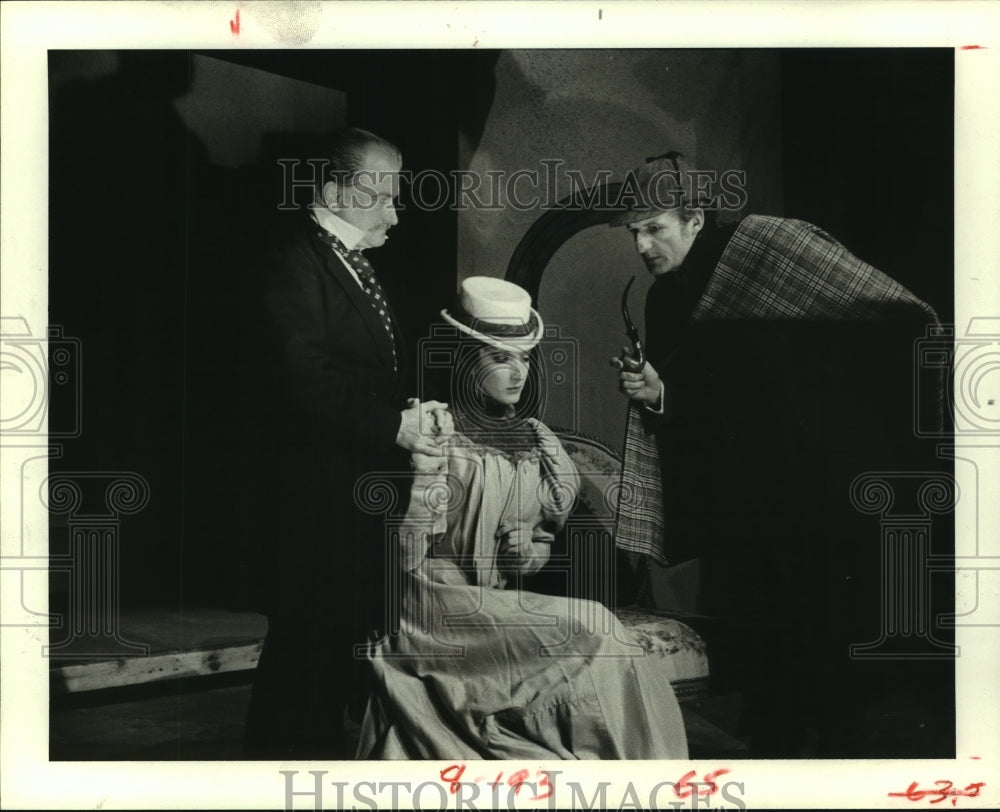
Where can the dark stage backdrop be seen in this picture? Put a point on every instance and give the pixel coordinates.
(163, 174)
(868, 154)
(163, 165)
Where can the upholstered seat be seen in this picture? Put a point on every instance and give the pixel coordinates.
(680, 650)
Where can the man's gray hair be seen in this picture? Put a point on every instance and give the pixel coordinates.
(346, 149)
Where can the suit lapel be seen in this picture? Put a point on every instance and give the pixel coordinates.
(336, 267)
(398, 334)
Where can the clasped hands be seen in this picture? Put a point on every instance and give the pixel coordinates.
(424, 431)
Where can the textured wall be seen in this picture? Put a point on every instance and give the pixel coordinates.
(607, 110)
(231, 108)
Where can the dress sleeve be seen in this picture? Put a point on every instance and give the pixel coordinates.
(426, 516)
(561, 484)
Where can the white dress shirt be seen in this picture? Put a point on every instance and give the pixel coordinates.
(348, 234)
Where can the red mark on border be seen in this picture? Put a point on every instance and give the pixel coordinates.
(453, 775)
(972, 48)
(543, 784)
(234, 25)
(944, 790)
(686, 787)
(517, 779)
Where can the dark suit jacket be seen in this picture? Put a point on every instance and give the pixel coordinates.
(333, 405)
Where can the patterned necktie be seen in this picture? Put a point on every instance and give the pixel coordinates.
(373, 290)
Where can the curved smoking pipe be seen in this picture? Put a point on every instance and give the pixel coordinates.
(637, 360)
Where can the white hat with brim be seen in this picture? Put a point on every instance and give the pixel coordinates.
(496, 312)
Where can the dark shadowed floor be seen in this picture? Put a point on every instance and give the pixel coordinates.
(202, 719)
(197, 712)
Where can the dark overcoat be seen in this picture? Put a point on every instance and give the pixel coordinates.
(790, 372)
(332, 399)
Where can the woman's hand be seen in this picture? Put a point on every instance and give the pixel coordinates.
(518, 551)
(435, 426)
(443, 424)
(421, 427)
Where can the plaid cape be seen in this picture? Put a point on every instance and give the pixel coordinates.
(771, 269)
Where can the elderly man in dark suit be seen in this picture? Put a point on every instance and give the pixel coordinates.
(332, 373)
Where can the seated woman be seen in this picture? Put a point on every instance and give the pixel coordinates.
(480, 669)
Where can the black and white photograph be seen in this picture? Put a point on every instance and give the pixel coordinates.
(402, 403)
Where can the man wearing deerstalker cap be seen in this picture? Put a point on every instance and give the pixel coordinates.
(777, 369)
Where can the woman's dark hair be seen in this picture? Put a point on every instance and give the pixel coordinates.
(464, 391)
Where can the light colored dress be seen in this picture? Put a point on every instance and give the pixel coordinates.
(481, 670)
